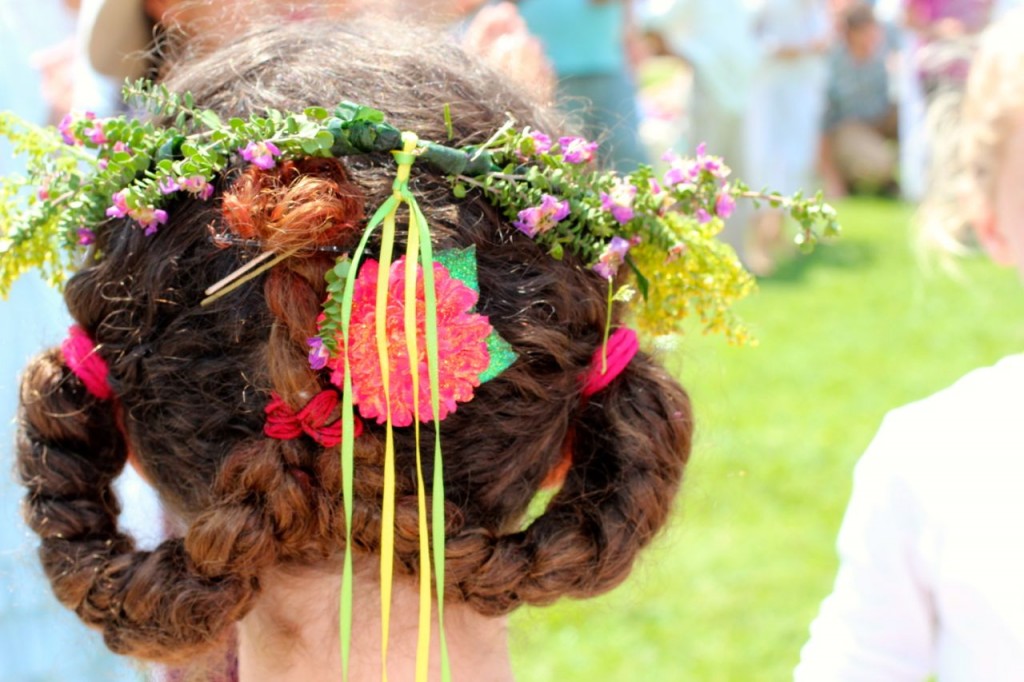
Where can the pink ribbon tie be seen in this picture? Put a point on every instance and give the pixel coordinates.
(620, 350)
(85, 363)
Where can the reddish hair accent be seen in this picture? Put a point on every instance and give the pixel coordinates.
(294, 205)
(318, 419)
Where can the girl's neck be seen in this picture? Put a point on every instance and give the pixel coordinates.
(291, 635)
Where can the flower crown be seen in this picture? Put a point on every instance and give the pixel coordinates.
(663, 228)
(91, 174)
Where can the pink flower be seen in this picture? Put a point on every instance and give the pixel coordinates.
(261, 154)
(541, 142)
(150, 218)
(65, 127)
(462, 341)
(86, 236)
(168, 185)
(619, 201)
(612, 258)
(122, 147)
(95, 133)
(43, 194)
(682, 170)
(318, 353)
(679, 174)
(102, 164)
(197, 185)
(725, 204)
(577, 149)
(539, 219)
(703, 216)
(120, 207)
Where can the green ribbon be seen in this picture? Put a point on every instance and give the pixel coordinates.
(385, 214)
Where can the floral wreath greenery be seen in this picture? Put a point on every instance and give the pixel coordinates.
(89, 170)
(90, 174)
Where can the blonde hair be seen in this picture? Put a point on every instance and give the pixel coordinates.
(969, 131)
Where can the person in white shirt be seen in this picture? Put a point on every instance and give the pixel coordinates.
(786, 109)
(931, 551)
(716, 39)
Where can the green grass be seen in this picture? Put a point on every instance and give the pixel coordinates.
(727, 593)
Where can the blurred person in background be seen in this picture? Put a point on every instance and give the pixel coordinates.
(588, 43)
(715, 38)
(499, 35)
(120, 34)
(785, 112)
(858, 146)
(935, 52)
(36, 51)
(495, 32)
(930, 560)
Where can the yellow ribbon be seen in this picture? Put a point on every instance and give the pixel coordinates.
(418, 246)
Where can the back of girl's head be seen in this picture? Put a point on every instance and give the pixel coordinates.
(192, 382)
(970, 132)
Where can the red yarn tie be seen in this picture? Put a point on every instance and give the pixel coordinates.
(285, 424)
(622, 346)
(85, 363)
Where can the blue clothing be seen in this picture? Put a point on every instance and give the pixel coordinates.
(585, 42)
(580, 37)
(40, 640)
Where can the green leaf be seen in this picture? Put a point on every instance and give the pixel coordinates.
(346, 111)
(461, 265)
(324, 140)
(641, 280)
(448, 121)
(501, 357)
(309, 145)
(369, 115)
(210, 119)
(316, 113)
(624, 294)
(459, 190)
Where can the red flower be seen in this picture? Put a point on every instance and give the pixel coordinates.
(462, 346)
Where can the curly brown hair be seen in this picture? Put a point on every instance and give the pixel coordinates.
(192, 382)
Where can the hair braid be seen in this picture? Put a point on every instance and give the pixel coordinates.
(193, 381)
(630, 446)
(148, 604)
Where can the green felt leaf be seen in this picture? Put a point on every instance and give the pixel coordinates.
(461, 265)
(502, 357)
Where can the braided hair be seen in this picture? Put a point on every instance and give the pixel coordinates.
(192, 382)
